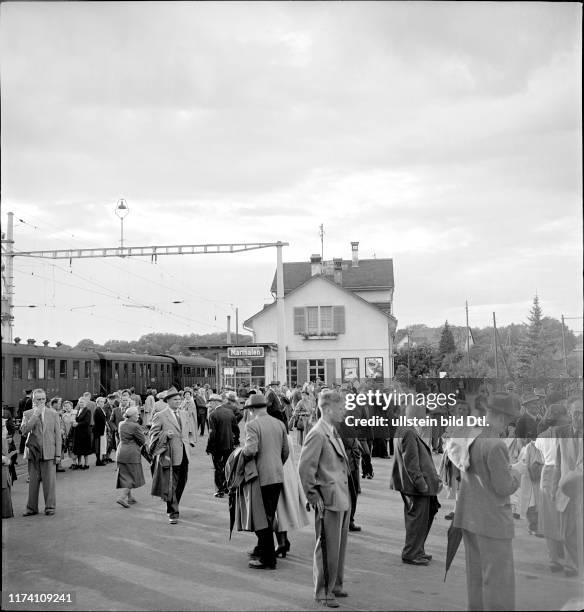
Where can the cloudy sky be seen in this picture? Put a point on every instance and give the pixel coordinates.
(444, 135)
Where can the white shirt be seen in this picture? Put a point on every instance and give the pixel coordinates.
(548, 447)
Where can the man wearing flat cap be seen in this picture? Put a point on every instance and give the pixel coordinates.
(266, 440)
(483, 512)
(171, 438)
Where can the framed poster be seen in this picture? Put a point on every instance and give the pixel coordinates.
(374, 367)
(350, 369)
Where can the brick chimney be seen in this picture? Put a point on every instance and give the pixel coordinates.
(355, 253)
(338, 270)
(315, 264)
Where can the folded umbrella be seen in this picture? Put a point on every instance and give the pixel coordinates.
(322, 540)
(454, 536)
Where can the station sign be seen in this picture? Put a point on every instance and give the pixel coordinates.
(245, 351)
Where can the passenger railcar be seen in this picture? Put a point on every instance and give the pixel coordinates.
(68, 373)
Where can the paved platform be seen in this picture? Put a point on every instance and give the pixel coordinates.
(132, 559)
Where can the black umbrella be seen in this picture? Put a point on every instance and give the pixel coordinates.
(454, 536)
(232, 506)
(322, 540)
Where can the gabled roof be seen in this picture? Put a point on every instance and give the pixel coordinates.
(381, 310)
(370, 274)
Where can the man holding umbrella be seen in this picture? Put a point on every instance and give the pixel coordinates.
(324, 470)
(483, 512)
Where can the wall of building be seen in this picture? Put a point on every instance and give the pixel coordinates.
(366, 330)
(376, 296)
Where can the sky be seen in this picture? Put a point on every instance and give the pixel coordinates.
(447, 136)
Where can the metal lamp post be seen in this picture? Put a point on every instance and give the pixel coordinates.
(122, 212)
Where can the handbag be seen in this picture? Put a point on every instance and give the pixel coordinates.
(534, 463)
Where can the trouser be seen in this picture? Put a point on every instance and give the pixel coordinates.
(490, 573)
(419, 512)
(555, 550)
(571, 529)
(354, 492)
(201, 420)
(179, 480)
(266, 548)
(437, 431)
(97, 447)
(336, 527)
(47, 472)
(219, 460)
(366, 464)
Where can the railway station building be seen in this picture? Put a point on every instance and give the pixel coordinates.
(339, 319)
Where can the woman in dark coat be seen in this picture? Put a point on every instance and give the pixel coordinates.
(129, 456)
(82, 446)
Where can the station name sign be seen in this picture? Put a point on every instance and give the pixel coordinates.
(245, 351)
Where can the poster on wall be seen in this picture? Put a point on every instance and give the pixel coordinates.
(350, 369)
(374, 367)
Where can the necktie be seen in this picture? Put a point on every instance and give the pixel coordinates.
(178, 420)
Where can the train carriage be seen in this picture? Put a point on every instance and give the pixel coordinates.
(189, 371)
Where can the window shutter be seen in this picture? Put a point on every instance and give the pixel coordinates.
(331, 371)
(302, 371)
(339, 319)
(299, 321)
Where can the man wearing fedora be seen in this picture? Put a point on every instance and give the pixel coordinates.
(171, 438)
(483, 512)
(266, 441)
(274, 402)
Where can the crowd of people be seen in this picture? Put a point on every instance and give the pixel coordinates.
(525, 464)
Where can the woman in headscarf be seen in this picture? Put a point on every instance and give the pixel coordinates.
(188, 405)
(129, 456)
(82, 446)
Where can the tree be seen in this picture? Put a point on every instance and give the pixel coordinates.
(534, 354)
(402, 374)
(87, 345)
(447, 344)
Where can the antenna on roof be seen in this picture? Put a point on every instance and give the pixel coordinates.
(321, 234)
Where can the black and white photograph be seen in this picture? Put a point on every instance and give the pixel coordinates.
(292, 310)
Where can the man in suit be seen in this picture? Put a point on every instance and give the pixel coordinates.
(568, 484)
(324, 470)
(223, 437)
(99, 426)
(415, 477)
(483, 512)
(44, 444)
(266, 440)
(171, 431)
(274, 402)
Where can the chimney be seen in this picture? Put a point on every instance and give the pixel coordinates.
(315, 264)
(46, 342)
(355, 252)
(228, 338)
(31, 341)
(338, 270)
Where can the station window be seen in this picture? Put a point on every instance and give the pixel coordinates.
(17, 368)
(41, 369)
(75, 370)
(50, 369)
(63, 368)
(31, 370)
(316, 369)
(88, 369)
(292, 371)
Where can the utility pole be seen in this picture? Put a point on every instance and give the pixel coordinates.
(409, 348)
(236, 326)
(467, 337)
(564, 346)
(281, 312)
(322, 243)
(495, 343)
(8, 280)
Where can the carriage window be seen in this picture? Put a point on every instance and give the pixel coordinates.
(63, 368)
(31, 370)
(125, 370)
(88, 369)
(17, 367)
(41, 369)
(116, 371)
(3, 366)
(156, 370)
(50, 369)
(187, 371)
(148, 371)
(75, 370)
(134, 368)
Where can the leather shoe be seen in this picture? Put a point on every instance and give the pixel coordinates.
(556, 567)
(570, 572)
(416, 561)
(257, 564)
(123, 503)
(49, 512)
(218, 494)
(329, 602)
(173, 521)
(340, 593)
(61, 469)
(29, 513)
(353, 527)
(425, 556)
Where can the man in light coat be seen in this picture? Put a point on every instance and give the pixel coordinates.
(483, 512)
(266, 440)
(171, 438)
(324, 471)
(44, 444)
